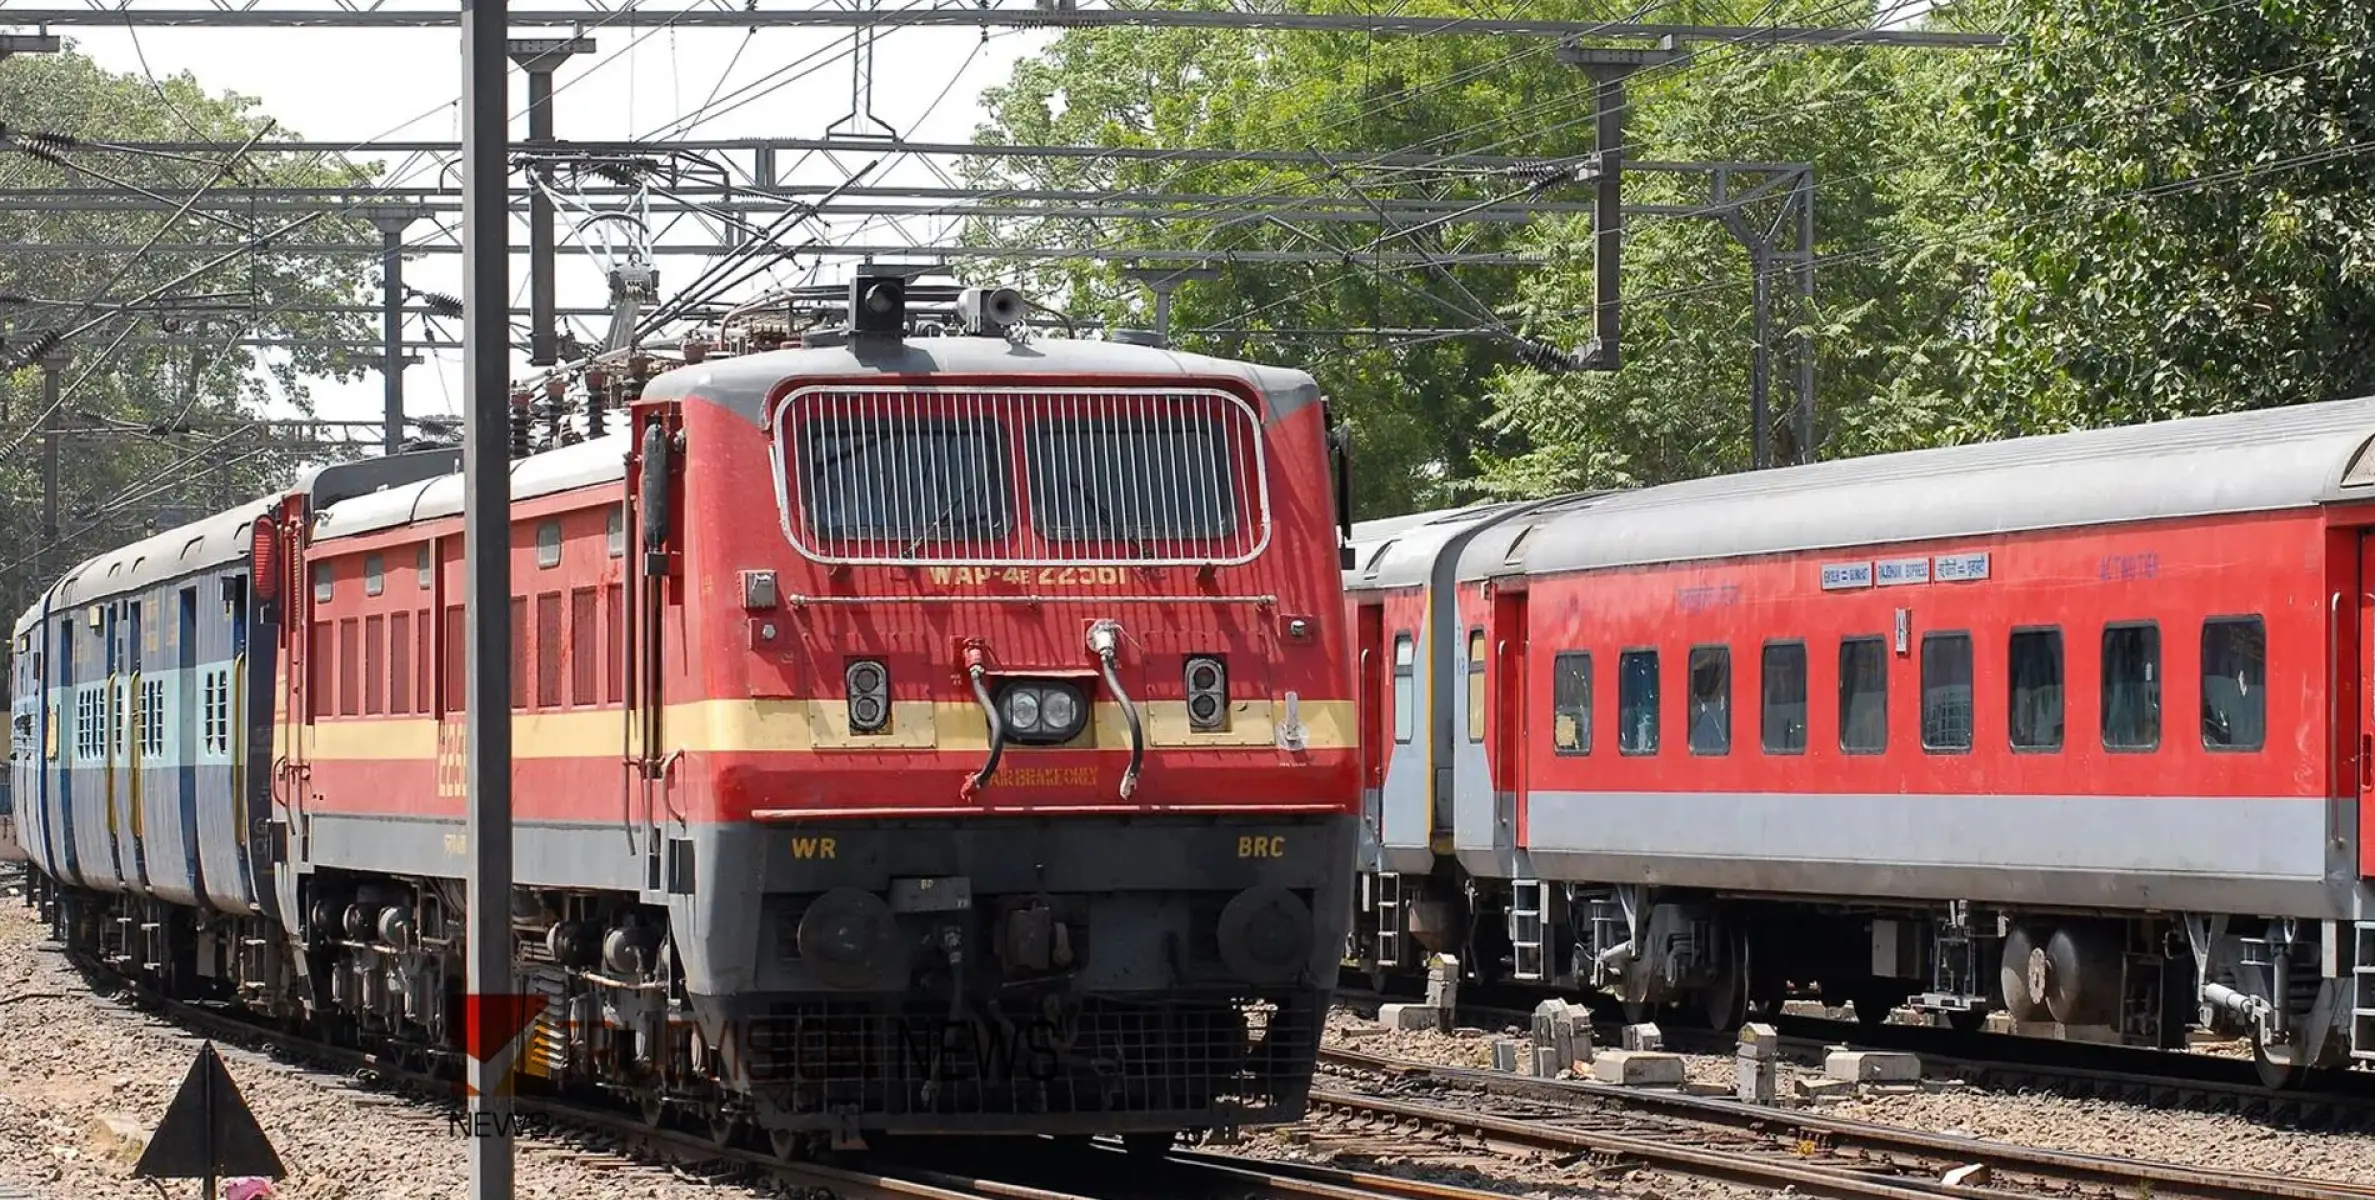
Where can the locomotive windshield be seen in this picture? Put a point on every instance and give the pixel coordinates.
(889, 476)
(1096, 479)
(865, 477)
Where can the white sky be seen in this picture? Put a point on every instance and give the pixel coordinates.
(352, 85)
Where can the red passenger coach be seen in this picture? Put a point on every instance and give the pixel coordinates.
(934, 730)
(2070, 727)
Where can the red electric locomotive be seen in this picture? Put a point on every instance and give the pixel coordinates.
(2070, 727)
(926, 729)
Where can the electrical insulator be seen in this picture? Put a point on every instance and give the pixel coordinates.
(522, 423)
(695, 350)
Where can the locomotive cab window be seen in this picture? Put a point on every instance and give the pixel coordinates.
(2035, 674)
(1710, 709)
(1946, 693)
(2234, 683)
(1637, 702)
(1476, 684)
(1571, 704)
(1784, 687)
(1863, 695)
(1405, 688)
(2132, 687)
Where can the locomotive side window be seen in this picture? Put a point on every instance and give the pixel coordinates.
(1946, 706)
(1405, 688)
(375, 576)
(1784, 688)
(1863, 695)
(1710, 709)
(1476, 684)
(423, 573)
(2132, 687)
(1571, 704)
(2234, 683)
(1637, 702)
(548, 545)
(872, 475)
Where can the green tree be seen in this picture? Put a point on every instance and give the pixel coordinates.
(2176, 218)
(160, 391)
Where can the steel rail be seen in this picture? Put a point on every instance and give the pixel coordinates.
(2163, 1179)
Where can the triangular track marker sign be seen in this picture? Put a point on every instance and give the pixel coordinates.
(208, 1132)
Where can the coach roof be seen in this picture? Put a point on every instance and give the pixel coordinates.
(2265, 460)
(742, 383)
(211, 541)
(1396, 552)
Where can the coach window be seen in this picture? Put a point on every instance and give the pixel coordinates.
(1637, 702)
(1710, 709)
(1571, 704)
(1946, 693)
(1405, 689)
(2132, 687)
(375, 579)
(1784, 688)
(2234, 683)
(1476, 684)
(548, 545)
(2036, 677)
(1863, 695)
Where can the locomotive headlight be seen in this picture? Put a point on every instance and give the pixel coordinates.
(1207, 693)
(869, 688)
(1059, 708)
(1022, 710)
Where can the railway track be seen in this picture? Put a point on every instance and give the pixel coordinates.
(955, 1171)
(1755, 1144)
(2344, 1101)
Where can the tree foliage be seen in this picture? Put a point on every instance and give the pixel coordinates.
(159, 392)
(2133, 211)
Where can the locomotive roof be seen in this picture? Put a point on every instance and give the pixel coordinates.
(599, 460)
(2264, 460)
(742, 383)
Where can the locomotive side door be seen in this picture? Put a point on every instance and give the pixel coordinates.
(1509, 712)
(2354, 641)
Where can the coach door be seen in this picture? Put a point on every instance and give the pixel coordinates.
(2357, 756)
(1508, 712)
(1369, 636)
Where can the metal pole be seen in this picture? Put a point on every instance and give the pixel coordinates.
(53, 368)
(1760, 361)
(486, 553)
(1608, 219)
(539, 58)
(391, 317)
(1805, 364)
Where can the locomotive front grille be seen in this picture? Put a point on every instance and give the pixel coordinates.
(1228, 1058)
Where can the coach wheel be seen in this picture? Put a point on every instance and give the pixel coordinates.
(1725, 1002)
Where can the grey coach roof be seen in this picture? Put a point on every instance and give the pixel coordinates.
(742, 383)
(1397, 552)
(2277, 458)
(185, 549)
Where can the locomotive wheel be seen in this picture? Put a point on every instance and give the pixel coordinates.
(723, 1128)
(1147, 1145)
(2279, 1067)
(785, 1144)
(1969, 1020)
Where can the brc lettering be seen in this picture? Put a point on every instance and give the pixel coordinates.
(1261, 847)
(808, 847)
